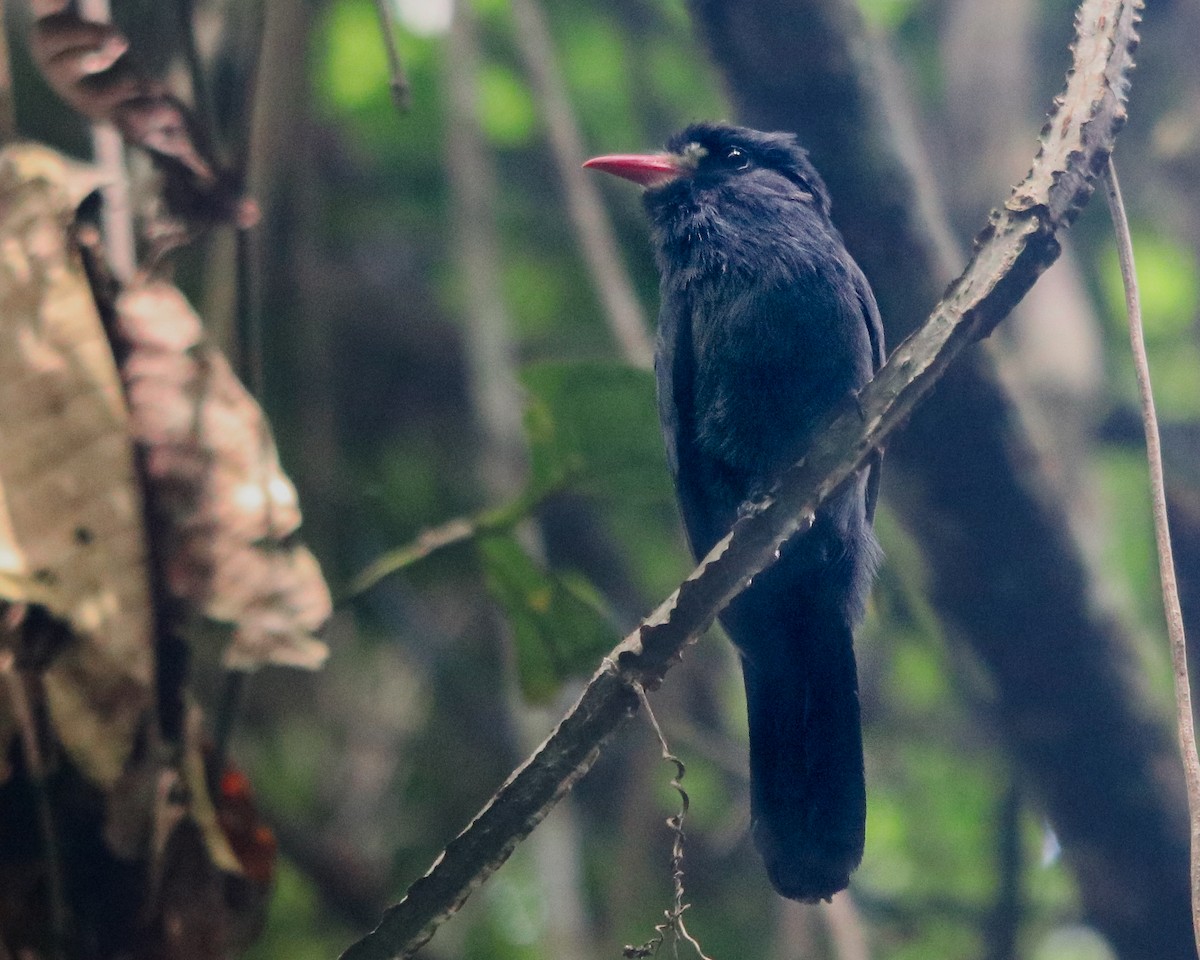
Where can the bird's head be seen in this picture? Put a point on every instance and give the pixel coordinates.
(711, 161)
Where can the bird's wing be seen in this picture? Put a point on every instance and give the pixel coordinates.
(674, 367)
(874, 323)
(674, 385)
(870, 314)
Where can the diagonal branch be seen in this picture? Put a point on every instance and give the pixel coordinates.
(1018, 245)
(593, 228)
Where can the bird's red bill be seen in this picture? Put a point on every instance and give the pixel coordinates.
(648, 169)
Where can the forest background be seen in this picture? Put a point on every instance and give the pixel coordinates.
(454, 324)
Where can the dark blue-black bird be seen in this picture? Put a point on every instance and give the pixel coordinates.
(765, 325)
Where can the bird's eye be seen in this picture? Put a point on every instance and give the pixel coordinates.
(736, 158)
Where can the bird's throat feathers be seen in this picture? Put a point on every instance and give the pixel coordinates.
(706, 229)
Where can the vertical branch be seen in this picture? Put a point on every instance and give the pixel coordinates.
(8, 107)
(267, 119)
(109, 153)
(282, 178)
(248, 310)
(592, 226)
(203, 109)
(846, 928)
(35, 768)
(494, 389)
(117, 216)
(1162, 533)
(1004, 925)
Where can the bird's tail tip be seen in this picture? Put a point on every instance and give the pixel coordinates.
(805, 871)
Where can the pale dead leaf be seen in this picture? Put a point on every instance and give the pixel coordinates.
(229, 512)
(91, 67)
(71, 532)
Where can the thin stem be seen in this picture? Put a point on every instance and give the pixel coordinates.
(428, 542)
(249, 338)
(35, 768)
(8, 104)
(674, 916)
(449, 534)
(502, 461)
(250, 333)
(397, 78)
(109, 151)
(229, 710)
(1004, 925)
(203, 109)
(1162, 533)
(593, 229)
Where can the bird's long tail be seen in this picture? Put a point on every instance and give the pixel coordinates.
(808, 799)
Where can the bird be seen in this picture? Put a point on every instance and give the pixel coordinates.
(766, 324)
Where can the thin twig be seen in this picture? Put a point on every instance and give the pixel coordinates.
(1162, 532)
(674, 917)
(8, 103)
(108, 149)
(252, 370)
(496, 398)
(35, 768)
(449, 534)
(1004, 925)
(594, 230)
(203, 108)
(249, 323)
(249, 336)
(397, 78)
(427, 543)
(228, 712)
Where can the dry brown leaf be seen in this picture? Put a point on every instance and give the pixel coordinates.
(71, 529)
(90, 66)
(229, 513)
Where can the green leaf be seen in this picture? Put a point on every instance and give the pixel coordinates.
(596, 423)
(558, 624)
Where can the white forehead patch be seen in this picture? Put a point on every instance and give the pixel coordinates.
(693, 153)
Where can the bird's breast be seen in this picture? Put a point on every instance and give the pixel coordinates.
(771, 355)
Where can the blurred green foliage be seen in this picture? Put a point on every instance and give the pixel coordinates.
(887, 14)
(353, 70)
(1169, 292)
(298, 927)
(1168, 285)
(558, 622)
(937, 774)
(506, 112)
(595, 424)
